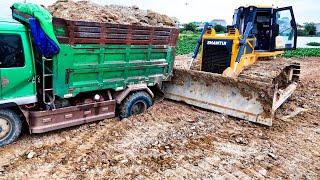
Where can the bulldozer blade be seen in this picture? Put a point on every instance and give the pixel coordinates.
(255, 101)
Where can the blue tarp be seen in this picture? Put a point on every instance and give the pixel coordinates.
(43, 42)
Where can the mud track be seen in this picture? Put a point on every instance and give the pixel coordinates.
(179, 141)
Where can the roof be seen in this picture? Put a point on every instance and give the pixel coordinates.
(9, 24)
(260, 6)
(265, 6)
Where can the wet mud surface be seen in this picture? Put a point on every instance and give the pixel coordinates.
(174, 140)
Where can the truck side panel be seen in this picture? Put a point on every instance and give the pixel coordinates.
(83, 68)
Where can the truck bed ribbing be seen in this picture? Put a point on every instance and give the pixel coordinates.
(81, 32)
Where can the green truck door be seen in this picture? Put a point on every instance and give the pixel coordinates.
(16, 69)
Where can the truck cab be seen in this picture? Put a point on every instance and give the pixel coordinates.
(17, 69)
(17, 74)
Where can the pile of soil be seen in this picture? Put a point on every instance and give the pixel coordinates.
(88, 11)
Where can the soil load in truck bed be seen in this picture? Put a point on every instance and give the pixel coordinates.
(84, 22)
(87, 11)
(85, 32)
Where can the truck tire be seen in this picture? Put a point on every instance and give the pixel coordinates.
(134, 104)
(10, 126)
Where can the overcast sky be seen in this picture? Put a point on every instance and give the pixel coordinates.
(201, 10)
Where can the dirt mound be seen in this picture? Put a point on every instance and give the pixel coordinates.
(87, 11)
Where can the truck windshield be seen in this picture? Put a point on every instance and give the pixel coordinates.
(11, 51)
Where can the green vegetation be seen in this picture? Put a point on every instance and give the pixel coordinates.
(303, 52)
(313, 44)
(220, 29)
(190, 27)
(188, 41)
(308, 30)
(302, 32)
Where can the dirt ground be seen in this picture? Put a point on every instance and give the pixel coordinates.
(174, 140)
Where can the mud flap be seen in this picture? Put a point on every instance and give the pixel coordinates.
(235, 97)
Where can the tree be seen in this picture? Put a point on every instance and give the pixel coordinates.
(302, 32)
(219, 28)
(190, 27)
(310, 29)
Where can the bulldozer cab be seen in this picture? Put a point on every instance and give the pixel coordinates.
(275, 29)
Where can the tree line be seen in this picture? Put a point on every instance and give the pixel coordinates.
(309, 29)
(193, 28)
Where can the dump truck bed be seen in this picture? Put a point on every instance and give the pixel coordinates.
(84, 32)
(81, 32)
(81, 68)
(96, 56)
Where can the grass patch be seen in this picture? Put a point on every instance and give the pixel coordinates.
(188, 41)
(303, 52)
(313, 44)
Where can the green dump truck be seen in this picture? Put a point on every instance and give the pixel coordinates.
(102, 70)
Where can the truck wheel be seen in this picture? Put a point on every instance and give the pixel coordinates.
(134, 104)
(10, 127)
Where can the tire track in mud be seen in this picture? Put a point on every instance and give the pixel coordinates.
(49, 151)
(146, 142)
(298, 142)
(173, 140)
(102, 135)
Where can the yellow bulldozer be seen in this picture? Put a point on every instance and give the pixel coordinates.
(238, 73)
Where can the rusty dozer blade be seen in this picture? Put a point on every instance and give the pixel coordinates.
(253, 96)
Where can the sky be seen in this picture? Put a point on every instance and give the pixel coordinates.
(200, 10)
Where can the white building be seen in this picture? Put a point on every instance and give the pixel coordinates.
(318, 27)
